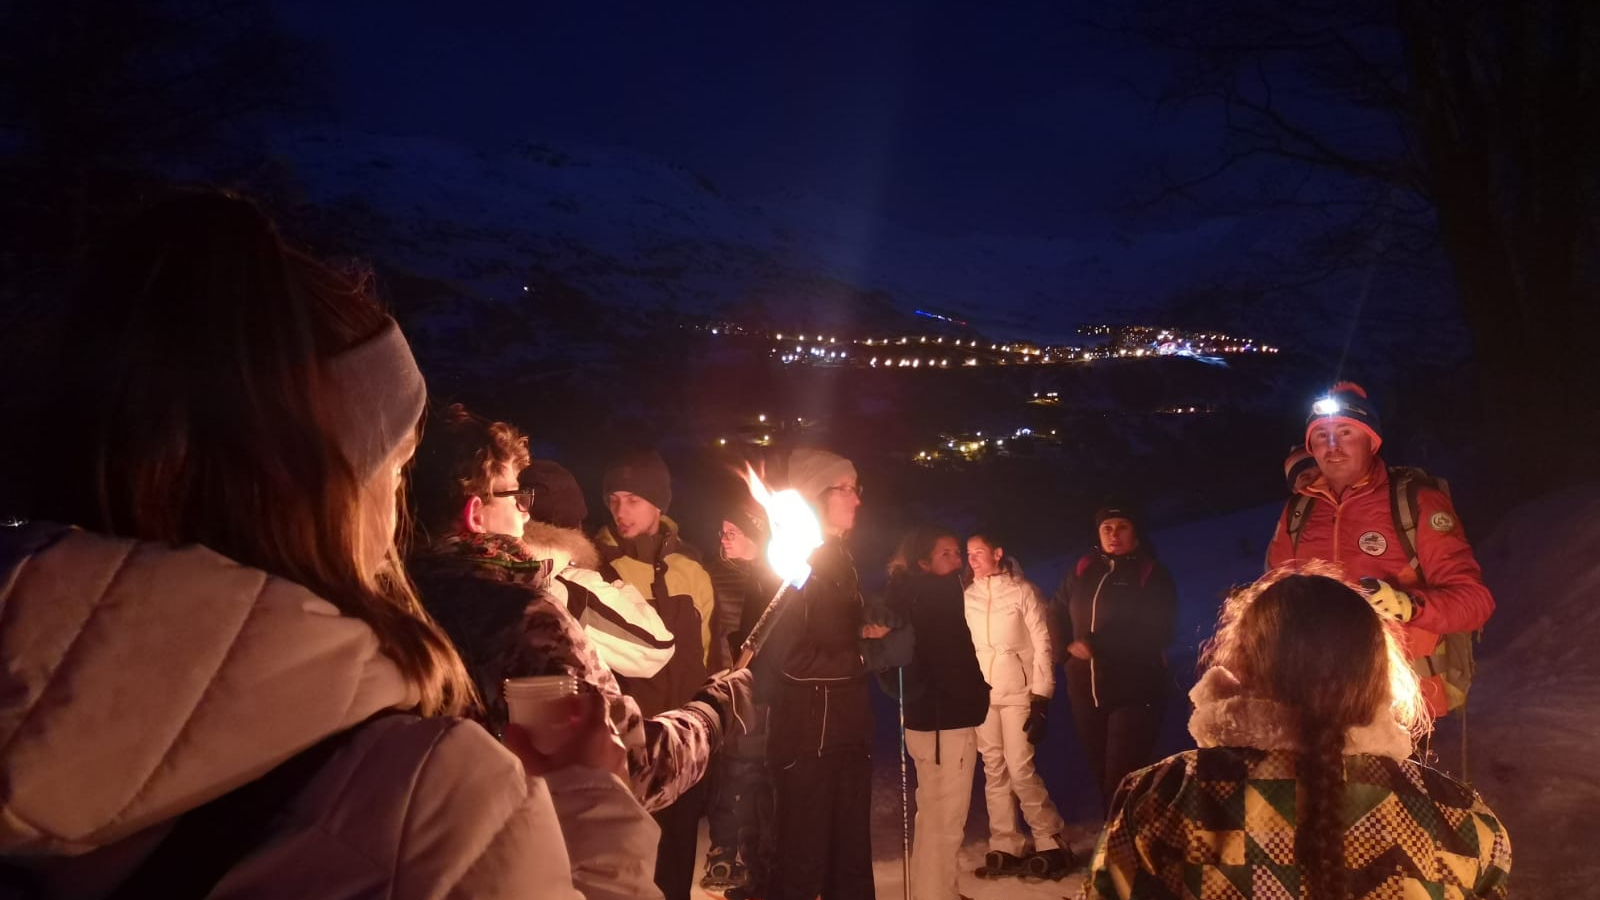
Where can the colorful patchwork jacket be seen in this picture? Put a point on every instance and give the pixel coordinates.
(1219, 822)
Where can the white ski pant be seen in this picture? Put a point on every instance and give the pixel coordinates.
(944, 793)
(1008, 771)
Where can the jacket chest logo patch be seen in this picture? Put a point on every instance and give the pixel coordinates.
(1373, 544)
(1441, 522)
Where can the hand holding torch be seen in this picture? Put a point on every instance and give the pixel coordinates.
(796, 533)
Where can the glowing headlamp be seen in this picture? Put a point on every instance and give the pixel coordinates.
(1327, 406)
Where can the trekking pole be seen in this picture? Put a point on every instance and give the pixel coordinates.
(905, 798)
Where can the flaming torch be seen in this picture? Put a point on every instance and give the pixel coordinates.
(795, 534)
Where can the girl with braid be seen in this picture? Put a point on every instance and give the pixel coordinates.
(1302, 785)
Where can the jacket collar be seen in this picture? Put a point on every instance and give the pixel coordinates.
(1225, 715)
(563, 546)
(613, 547)
(499, 557)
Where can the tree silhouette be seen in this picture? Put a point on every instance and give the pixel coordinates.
(1418, 129)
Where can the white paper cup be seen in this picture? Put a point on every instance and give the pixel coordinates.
(544, 705)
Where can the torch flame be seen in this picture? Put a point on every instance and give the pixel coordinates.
(795, 530)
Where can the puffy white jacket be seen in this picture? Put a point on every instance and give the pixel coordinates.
(627, 632)
(141, 681)
(1007, 619)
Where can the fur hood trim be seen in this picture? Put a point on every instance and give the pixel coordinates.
(566, 546)
(1225, 716)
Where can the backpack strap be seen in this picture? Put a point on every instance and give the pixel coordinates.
(209, 840)
(1299, 506)
(1403, 488)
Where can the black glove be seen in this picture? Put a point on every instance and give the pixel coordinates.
(728, 692)
(1034, 726)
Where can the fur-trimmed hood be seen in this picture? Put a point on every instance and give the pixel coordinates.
(564, 546)
(626, 631)
(1226, 716)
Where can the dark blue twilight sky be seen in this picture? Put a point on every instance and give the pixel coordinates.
(944, 116)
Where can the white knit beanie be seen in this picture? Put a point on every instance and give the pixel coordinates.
(812, 471)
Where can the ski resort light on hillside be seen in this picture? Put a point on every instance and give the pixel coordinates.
(796, 534)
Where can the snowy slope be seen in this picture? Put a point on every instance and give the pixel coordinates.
(1534, 716)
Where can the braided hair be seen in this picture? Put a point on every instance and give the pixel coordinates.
(1309, 641)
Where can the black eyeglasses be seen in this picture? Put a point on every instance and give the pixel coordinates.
(524, 497)
(856, 489)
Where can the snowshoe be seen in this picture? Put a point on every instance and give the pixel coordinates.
(723, 870)
(1000, 864)
(1050, 864)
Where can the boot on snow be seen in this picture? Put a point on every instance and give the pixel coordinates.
(1000, 864)
(723, 870)
(1052, 864)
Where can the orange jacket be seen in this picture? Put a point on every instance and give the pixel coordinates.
(1358, 532)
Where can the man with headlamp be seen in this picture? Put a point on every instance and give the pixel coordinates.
(1395, 530)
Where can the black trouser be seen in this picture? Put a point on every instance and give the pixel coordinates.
(680, 830)
(824, 833)
(740, 812)
(1117, 740)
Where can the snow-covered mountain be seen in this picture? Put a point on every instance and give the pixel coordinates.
(637, 233)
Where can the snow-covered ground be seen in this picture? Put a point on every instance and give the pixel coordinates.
(1534, 716)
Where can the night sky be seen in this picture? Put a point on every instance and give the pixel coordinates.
(943, 116)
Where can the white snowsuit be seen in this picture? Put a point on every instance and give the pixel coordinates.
(1010, 634)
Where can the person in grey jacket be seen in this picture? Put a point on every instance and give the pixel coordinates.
(229, 428)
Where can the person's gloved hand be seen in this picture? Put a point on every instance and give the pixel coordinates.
(728, 692)
(1390, 601)
(1034, 726)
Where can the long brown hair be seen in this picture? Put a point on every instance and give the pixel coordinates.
(1307, 640)
(917, 547)
(194, 407)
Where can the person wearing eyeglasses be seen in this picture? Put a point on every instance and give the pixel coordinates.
(491, 592)
(811, 670)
